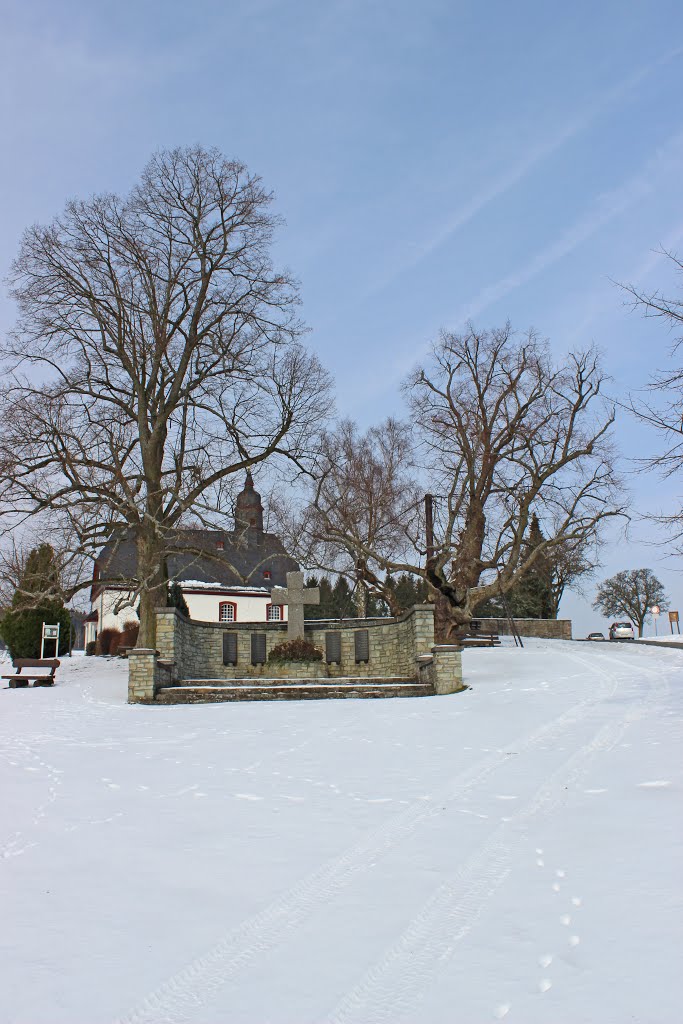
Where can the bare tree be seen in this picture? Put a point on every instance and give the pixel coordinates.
(68, 567)
(631, 593)
(661, 404)
(362, 508)
(156, 355)
(502, 433)
(507, 433)
(572, 564)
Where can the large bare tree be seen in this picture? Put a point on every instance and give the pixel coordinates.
(363, 509)
(502, 433)
(633, 593)
(156, 354)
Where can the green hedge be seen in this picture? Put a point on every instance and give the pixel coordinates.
(21, 629)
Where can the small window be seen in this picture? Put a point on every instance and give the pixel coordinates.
(274, 612)
(267, 574)
(220, 545)
(227, 611)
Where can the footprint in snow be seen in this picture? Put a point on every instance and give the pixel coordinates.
(544, 984)
(594, 791)
(655, 784)
(576, 900)
(501, 1011)
(574, 940)
(505, 796)
(560, 872)
(556, 886)
(540, 862)
(248, 796)
(565, 919)
(545, 961)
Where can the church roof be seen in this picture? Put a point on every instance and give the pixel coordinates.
(196, 555)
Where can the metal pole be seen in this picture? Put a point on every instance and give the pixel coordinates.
(429, 526)
(513, 627)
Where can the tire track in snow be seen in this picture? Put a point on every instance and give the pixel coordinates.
(392, 989)
(178, 1000)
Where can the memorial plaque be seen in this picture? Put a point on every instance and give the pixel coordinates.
(362, 644)
(258, 648)
(333, 648)
(230, 648)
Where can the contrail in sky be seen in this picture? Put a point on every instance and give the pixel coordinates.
(609, 205)
(519, 170)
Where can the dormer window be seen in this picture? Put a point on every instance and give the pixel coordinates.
(267, 574)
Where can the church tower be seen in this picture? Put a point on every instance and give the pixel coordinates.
(249, 513)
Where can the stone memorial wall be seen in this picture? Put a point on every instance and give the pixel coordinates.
(197, 649)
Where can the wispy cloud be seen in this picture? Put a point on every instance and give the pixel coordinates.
(519, 170)
(603, 300)
(611, 204)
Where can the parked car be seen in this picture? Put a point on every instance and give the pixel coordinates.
(596, 636)
(621, 631)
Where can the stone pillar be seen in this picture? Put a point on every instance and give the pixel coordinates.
(142, 669)
(447, 668)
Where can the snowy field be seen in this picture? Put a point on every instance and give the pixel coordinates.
(512, 852)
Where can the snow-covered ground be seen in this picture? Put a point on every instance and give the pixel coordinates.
(668, 638)
(512, 852)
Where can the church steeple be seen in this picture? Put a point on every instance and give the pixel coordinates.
(249, 512)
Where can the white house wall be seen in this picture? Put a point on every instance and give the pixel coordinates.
(250, 607)
(203, 606)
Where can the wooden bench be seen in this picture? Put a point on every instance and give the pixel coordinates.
(21, 678)
(480, 640)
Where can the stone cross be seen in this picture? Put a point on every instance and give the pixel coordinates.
(295, 597)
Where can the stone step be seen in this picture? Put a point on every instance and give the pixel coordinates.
(291, 691)
(270, 681)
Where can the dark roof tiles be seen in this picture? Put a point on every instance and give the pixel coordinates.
(196, 555)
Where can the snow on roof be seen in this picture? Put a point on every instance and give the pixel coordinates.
(203, 585)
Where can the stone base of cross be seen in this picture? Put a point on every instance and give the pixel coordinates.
(296, 597)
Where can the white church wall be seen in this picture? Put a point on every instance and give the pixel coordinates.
(204, 606)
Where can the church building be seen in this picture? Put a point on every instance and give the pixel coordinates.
(225, 576)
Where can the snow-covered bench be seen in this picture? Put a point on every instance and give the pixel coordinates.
(480, 640)
(21, 678)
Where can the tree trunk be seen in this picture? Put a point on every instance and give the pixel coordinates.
(361, 599)
(153, 582)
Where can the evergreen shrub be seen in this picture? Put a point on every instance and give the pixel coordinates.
(176, 598)
(21, 629)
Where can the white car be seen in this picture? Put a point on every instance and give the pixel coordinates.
(621, 631)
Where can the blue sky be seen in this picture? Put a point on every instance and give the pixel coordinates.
(432, 161)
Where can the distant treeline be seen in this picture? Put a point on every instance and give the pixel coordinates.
(337, 599)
